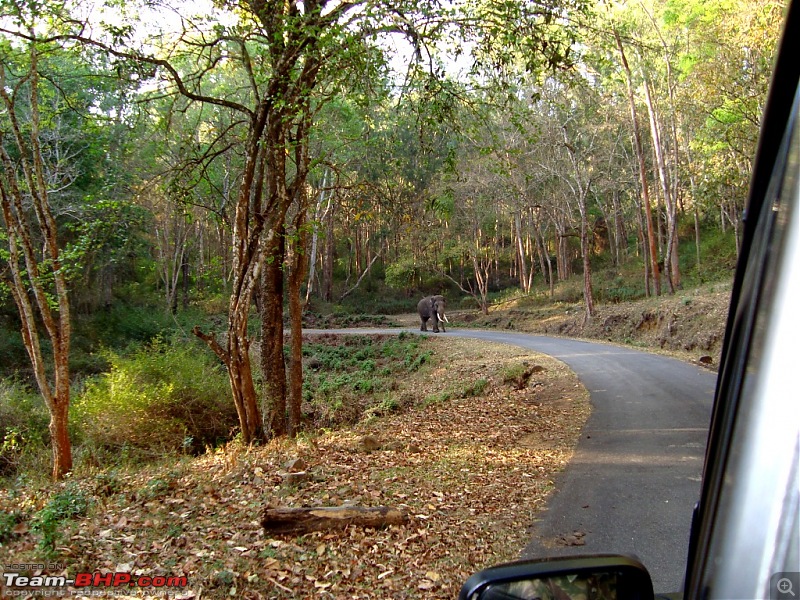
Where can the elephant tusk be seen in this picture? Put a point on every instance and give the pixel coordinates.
(443, 318)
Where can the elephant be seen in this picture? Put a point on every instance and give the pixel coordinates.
(432, 307)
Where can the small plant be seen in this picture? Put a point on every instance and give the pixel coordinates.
(7, 523)
(107, 484)
(23, 428)
(416, 362)
(475, 389)
(67, 504)
(10, 449)
(437, 398)
(225, 578)
(386, 406)
(155, 488)
(268, 552)
(512, 373)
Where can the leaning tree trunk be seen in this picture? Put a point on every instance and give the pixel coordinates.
(319, 215)
(246, 267)
(581, 189)
(236, 357)
(52, 308)
(328, 255)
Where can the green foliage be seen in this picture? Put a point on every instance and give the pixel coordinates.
(125, 324)
(470, 390)
(8, 520)
(620, 289)
(403, 273)
(415, 362)
(108, 234)
(24, 420)
(66, 504)
(12, 350)
(717, 257)
(476, 388)
(155, 399)
(354, 376)
(107, 483)
(155, 488)
(513, 372)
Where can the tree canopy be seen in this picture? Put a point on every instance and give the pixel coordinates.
(274, 156)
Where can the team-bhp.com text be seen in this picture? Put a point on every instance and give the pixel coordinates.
(13, 583)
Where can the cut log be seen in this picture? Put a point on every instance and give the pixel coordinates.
(321, 518)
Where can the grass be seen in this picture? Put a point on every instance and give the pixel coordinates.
(354, 377)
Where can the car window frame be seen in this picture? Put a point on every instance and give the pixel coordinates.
(749, 314)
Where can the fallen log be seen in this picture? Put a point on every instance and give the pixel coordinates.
(321, 518)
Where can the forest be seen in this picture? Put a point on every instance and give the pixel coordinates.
(184, 184)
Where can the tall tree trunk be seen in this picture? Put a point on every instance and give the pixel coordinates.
(643, 244)
(296, 275)
(651, 238)
(329, 255)
(273, 364)
(581, 190)
(236, 357)
(320, 215)
(545, 264)
(588, 300)
(666, 190)
(297, 271)
(672, 258)
(619, 229)
(185, 280)
(524, 281)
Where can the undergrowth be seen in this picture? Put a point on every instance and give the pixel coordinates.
(351, 377)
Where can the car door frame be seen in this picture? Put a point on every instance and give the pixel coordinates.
(745, 525)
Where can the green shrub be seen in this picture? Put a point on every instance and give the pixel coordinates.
(619, 290)
(476, 388)
(156, 399)
(24, 420)
(12, 350)
(66, 504)
(8, 520)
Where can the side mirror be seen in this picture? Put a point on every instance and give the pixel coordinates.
(606, 577)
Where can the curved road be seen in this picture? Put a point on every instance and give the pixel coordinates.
(635, 476)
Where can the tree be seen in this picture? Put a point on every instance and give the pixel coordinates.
(36, 278)
(284, 60)
(645, 189)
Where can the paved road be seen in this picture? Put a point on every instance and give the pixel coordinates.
(635, 475)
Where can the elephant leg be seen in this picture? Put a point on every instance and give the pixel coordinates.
(435, 325)
(423, 324)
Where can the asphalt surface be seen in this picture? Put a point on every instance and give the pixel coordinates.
(635, 475)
